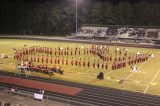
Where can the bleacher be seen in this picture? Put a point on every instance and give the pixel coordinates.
(118, 31)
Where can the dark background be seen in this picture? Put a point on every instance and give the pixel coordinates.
(57, 17)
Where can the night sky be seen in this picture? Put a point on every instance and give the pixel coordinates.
(112, 1)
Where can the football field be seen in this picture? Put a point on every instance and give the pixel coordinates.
(146, 80)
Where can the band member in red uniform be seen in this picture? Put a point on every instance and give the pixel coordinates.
(87, 51)
(94, 63)
(75, 52)
(55, 52)
(55, 60)
(58, 60)
(59, 52)
(88, 64)
(65, 52)
(42, 59)
(84, 51)
(115, 59)
(84, 63)
(34, 58)
(80, 62)
(72, 61)
(67, 61)
(120, 52)
(51, 59)
(71, 52)
(67, 48)
(47, 59)
(125, 54)
(106, 66)
(98, 64)
(116, 52)
(76, 62)
(50, 51)
(63, 60)
(38, 58)
(79, 52)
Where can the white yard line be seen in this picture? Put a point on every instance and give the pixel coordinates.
(152, 81)
(69, 68)
(109, 72)
(133, 72)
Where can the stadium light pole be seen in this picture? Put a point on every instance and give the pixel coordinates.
(76, 17)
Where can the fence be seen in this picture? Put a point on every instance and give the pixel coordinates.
(46, 98)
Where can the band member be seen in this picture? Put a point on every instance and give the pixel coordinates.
(67, 48)
(115, 59)
(84, 51)
(63, 60)
(94, 63)
(38, 58)
(34, 58)
(84, 63)
(55, 52)
(120, 52)
(80, 62)
(67, 61)
(75, 52)
(55, 60)
(62, 52)
(125, 54)
(72, 61)
(87, 51)
(116, 52)
(51, 59)
(88, 64)
(76, 62)
(50, 51)
(65, 52)
(58, 60)
(106, 66)
(79, 52)
(71, 52)
(98, 64)
(59, 52)
(47, 59)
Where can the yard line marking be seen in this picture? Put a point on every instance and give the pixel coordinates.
(69, 68)
(134, 73)
(152, 81)
(109, 72)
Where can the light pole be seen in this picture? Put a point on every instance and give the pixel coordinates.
(76, 17)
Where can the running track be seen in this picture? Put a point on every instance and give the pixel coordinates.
(101, 96)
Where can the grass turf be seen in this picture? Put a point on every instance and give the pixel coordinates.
(146, 80)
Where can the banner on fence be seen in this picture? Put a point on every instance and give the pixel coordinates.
(38, 96)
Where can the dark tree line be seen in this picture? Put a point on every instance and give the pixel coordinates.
(57, 17)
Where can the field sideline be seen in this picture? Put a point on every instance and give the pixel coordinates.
(147, 80)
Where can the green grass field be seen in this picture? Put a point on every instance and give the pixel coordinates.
(146, 80)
